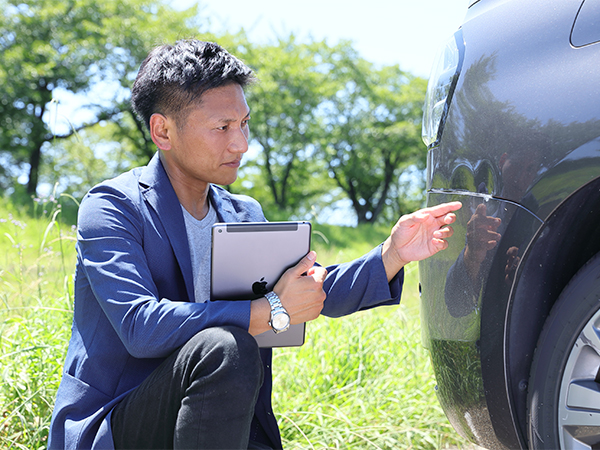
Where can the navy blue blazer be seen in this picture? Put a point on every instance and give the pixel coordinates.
(134, 300)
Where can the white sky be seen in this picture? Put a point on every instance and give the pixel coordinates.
(403, 32)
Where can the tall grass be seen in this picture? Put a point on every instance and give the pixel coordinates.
(359, 382)
(362, 381)
(36, 296)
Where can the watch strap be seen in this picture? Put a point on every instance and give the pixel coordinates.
(276, 308)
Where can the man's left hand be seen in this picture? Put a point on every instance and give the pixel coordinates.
(418, 236)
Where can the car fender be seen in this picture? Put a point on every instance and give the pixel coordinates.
(565, 242)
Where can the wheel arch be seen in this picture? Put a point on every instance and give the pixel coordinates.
(567, 240)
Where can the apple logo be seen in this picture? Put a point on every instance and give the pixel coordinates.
(260, 287)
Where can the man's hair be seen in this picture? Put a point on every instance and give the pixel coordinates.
(173, 77)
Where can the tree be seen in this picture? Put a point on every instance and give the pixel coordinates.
(373, 124)
(284, 104)
(72, 45)
(328, 123)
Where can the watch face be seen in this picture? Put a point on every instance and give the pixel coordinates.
(281, 321)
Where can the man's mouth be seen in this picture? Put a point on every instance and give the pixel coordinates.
(234, 164)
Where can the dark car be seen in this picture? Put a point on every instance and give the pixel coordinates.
(511, 311)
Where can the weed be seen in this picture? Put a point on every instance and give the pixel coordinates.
(36, 293)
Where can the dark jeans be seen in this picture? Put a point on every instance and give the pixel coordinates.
(200, 397)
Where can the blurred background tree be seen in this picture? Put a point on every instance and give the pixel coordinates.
(72, 45)
(327, 126)
(286, 174)
(373, 134)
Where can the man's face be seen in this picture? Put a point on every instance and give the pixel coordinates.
(208, 144)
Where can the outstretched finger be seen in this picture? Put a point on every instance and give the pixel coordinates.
(443, 209)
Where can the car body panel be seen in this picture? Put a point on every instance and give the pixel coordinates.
(454, 311)
(522, 138)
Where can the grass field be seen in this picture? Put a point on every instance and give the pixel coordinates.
(360, 382)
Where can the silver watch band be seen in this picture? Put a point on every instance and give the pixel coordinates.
(274, 300)
(280, 319)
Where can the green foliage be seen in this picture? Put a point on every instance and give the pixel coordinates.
(354, 388)
(361, 382)
(36, 293)
(71, 45)
(373, 134)
(335, 244)
(326, 123)
(73, 163)
(329, 124)
(286, 176)
(91, 156)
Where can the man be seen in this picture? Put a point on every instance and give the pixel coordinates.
(151, 363)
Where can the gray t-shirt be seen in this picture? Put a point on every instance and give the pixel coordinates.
(199, 240)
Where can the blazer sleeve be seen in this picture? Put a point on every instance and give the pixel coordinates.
(359, 285)
(110, 251)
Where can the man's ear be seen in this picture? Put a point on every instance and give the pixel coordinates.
(160, 131)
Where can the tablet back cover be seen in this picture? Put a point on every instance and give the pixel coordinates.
(249, 258)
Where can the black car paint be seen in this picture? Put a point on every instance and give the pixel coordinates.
(522, 137)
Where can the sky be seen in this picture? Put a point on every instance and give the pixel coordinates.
(407, 33)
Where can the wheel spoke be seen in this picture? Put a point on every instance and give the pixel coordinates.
(590, 336)
(580, 421)
(576, 418)
(584, 394)
(573, 444)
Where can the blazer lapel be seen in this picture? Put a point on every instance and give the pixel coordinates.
(160, 195)
(231, 208)
(225, 210)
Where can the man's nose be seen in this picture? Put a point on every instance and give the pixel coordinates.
(239, 143)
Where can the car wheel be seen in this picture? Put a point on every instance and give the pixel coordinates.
(564, 386)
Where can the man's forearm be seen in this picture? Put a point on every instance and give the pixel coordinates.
(260, 314)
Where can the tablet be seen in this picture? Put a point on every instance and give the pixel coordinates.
(248, 258)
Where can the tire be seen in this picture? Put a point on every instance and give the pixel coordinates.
(564, 388)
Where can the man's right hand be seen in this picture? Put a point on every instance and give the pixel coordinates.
(300, 290)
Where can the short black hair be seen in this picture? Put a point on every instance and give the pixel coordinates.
(172, 77)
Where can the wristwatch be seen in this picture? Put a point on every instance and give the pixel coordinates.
(280, 319)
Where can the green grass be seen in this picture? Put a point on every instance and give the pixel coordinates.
(36, 264)
(359, 382)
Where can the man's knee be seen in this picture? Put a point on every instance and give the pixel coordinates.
(232, 353)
